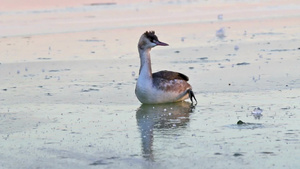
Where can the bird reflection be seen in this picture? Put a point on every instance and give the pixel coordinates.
(160, 116)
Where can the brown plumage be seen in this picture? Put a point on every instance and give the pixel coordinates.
(170, 81)
(169, 75)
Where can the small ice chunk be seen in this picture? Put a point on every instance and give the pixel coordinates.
(165, 110)
(220, 17)
(257, 111)
(220, 33)
(236, 47)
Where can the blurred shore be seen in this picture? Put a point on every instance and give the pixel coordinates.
(211, 41)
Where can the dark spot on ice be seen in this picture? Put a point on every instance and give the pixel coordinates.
(203, 58)
(237, 154)
(242, 63)
(218, 153)
(4, 89)
(53, 70)
(89, 90)
(281, 50)
(29, 75)
(134, 155)
(92, 40)
(44, 58)
(231, 54)
(112, 158)
(177, 51)
(269, 153)
(73, 132)
(100, 162)
(240, 122)
(268, 33)
(48, 94)
(50, 143)
(245, 125)
(61, 70)
(48, 77)
(286, 108)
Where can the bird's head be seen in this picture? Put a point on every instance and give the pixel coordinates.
(149, 40)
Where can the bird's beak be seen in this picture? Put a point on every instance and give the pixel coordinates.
(161, 43)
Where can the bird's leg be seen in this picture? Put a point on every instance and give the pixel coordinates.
(192, 96)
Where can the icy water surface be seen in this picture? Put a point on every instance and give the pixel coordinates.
(75, 117)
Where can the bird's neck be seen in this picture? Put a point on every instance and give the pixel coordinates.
(145, 69)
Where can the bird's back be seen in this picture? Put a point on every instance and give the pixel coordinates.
(169, 81)
(169, 75)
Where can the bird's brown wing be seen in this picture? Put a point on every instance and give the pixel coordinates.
(169, 75)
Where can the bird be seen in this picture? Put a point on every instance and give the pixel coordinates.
(163, 86)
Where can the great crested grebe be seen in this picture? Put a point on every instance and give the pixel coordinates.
(163, 86)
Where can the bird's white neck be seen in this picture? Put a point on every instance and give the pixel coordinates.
(145, 69)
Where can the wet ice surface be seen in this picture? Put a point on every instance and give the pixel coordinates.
(87, 118)
(82, 112)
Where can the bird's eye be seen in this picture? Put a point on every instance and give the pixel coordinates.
(152, 40)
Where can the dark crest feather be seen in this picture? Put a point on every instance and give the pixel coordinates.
(151, 35)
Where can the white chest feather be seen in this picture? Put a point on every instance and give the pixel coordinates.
(143, 89)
